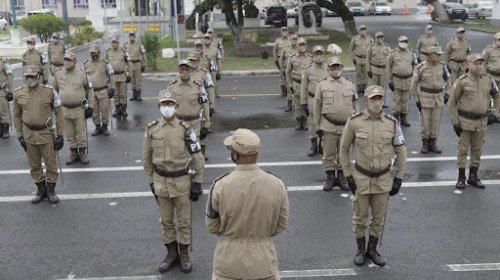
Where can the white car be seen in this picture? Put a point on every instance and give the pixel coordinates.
(3, 23)
(481, 9)
(379, 8)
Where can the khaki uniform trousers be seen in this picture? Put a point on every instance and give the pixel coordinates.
(35, 155)
(400, 99)
(181, 206)
(361, 205)
(74, 128)
(361, 74)
(120, 93)
(4, 108)
(136, 76)
(456, 69)
(331, 151)
(379, 80)
(211, 97)
(54, 69)
(299, 111)
(430, 120)
(101, 108)
(311, 126)
(474, 141)
(218, 277)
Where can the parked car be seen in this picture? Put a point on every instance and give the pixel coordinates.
(3, 23)
(481, 9)
(37, 12)
(276, 15)
(454, 11)
(379, 8)
(356, 8)
(304, 10)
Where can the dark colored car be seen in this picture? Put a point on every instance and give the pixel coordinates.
(356, 8)
(276, 15)
(304, 10)
(454, 11)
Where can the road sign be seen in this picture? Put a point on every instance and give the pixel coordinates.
(130, 28)
(153, 27)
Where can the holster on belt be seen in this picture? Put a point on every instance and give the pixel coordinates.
(188, 118)
(371, 174)
(470, 115)
(310, 94)
(335, 122)
(430, 90)
(100, 88)
(378, 66)
(169, 174)
(401, 76)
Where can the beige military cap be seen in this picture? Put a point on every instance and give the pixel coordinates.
(318, 48)
(198, 42)
(435, 49)
(402, 38)
(165, 95)
(475, 57)
(94, 49)
(30, 40)
(379, 34)
(243, 141)
(30, 70)
(374, 90)
(210, 31)
(184, 62)
(428, 27)
(69, 55)
(208, 35)
(115, 39)
(284, 28)
(131, 33)
(334, 60)
(194, 56)
(301, 41)
(294, 37)
(497, 35)
(460, 29)
(361, 27)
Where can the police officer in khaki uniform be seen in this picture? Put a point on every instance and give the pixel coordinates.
(374, 138)
(203, 76)
(334, 102)
(491, 55)
(120, 60)
(424, 42)
(6, 95)
(76, 92)
(376, 59)
(215, 60)
(359, 47)
(286, 53)
(428, 87)
(468, 113)
(279, 44)
(170, 146)
(100, 71)
(34, 106)
(217, 42)
(56, 50)
(137, 54)
(400, 64)
(246, 208)
(296, 65)
(34, 57)
(311, 76)
(457, 50)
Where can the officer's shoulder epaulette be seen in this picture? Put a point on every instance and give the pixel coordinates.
(292, 55)
(88, 60)
(105, 61)
(47, 86)
(196, 82)
(387, 45)
(269, 172)
(204, 69)
(420, 65)
(185, 125)
(123, 49)
(308, 66)
(108, 49)
(309, 55)
(393, 50)
(356, 115)
(172, 82)
(439, 62)
(57, 70)
(39, 52)
(153, 123)
(19, 88)
(462, 77)
(391, 118)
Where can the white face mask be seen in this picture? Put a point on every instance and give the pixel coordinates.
(318, 59)
(362, 32)
(302, 48)
(30, 47)
(380, 40)
(428, 32)
(403, 45)
(167, 111)
(461, 35)
(336, 74)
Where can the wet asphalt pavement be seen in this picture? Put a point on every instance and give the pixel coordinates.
(106, 224)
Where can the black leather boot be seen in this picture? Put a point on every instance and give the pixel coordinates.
(186, 265)
(139, 96)
(474, 179)
(461, 179)
(51, 193)
(298, 125)
(134, 95)
(104, 129)
(41, 193)
(288, 106)
(97, 131)
(83, 156)
(5, 130)
(372, 253)
(171, 259)
(118, 110)
(433, 147)
(404, 121)
(359, 258)
(397, 116)
(73, 157)
(314, 147)
(425, 146)
(342, 181)
(284, 91)
(330, 180)
(303, 123)
(124, 110)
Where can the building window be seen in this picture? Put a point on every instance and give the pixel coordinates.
(49, 4)
(109, 3)
(81, 4)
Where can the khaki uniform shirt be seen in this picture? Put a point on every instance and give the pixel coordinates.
(424, 42)
(491, 55)
(335, 99)
(296, 65)
(376, 57)
(34, 107)
(251, 207)
(310, 79)
(118, 60)
(214, 54)
(136, 52)
(374, 141)
(56, 53)
(5, 79)
(164, 146)
(431, 78)
(189, 106)
(97, 72)
(35, 58)
(285, 54)
(400, 63)
(204, 61)
(359, 46)
(203, 76)
(73, 87)
(279, 44)
(457, 51)
(471, 94)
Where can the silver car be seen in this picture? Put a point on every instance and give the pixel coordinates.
(481, 9)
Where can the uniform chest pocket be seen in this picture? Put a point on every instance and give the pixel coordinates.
(178, 147)
(193, 100)
(387, 136)
(328, 97)
(361, 137)
(470, 88)
(158, 146)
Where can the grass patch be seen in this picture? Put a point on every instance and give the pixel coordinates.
(475, 25)
(232, 62)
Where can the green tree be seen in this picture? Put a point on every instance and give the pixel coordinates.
(339, 7)
(43, 25)
(438, 7)
(151, 42)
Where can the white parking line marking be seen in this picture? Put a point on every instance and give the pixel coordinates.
(228, 165)
(317, 273)
(474, 267)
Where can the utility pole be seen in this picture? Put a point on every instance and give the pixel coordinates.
(13, 11)
(65, 18)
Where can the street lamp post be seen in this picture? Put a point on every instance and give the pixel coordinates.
(65, 18)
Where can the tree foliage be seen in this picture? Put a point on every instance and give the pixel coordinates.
(202, 8)
(438, 7)
(339, 7)
(234, 22)
(251, 11)
(151, 42)
(43, 25)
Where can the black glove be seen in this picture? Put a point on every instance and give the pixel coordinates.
(491, 118)
(370, 74)
(23, 144)
(152, 187)
(111, 92)
(419, 106)
(212, 111)
(306, 109)
(195, 191)
(446, 97)
(58, 143)
(143, 68)
(391, 86)
(396, 185)
(217, 76)
(458, 129)
(88, 113)
(129, 79)
(277, 64)
(9, 96)
(320, 132)
(45, 82)
(419, 60)
(354, 61)
(203, 133)
(351, 184)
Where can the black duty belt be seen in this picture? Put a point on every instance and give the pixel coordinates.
(35, 127)
(118, 72)
(378, 66)
(72, 106)
(188, 118)
(470, 115)
(371, 173)
(310, 94)
(458, 60)
(361, 56)
(401, 76)
(496, 73)
(56, 64)
(297, 80)
(170, 174)
(100, 88)
(135, 61)
(334, 121)
(431, 90)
